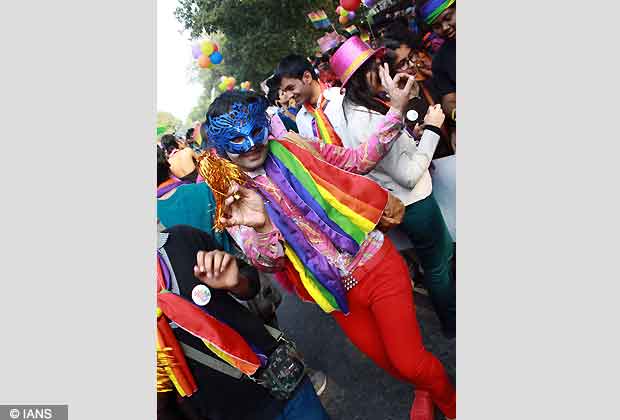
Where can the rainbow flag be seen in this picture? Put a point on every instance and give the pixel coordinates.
(178, 371)
(352, 30)
(344, 206)
(222, 340)
(319, 19)
(225, 342)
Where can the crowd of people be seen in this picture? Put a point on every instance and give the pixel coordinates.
(319, 168)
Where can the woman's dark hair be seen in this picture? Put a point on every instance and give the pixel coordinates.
(163, 167)
(391, 43)
(189, 134)
(399, 34)
(169, 143)
(204, 136)
(294, 66)
(273, 84)
(359, 92)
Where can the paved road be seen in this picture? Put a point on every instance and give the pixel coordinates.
(356, 388)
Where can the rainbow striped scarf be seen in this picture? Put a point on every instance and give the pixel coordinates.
(325, 130)
(343, 206)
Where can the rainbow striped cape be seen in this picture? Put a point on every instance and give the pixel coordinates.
(343, 206)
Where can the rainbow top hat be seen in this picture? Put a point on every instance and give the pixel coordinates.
(351, 56)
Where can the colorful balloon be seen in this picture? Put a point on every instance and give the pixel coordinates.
(204, 62)
(343, 12)
(343, 20)
(338, 9)
(196, 51)
(215, 47)
(216, 57)
(350, 5)
(369, 3)
(351, 15)
(207, 47)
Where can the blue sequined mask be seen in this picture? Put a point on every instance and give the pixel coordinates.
(248, 122)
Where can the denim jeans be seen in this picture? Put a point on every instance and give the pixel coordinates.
(304, 405)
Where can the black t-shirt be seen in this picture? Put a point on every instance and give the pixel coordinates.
(219, 396)
(444, 68)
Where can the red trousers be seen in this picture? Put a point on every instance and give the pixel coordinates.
(382, 324)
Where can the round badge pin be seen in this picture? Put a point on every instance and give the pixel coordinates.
(201, 295)
(412, 115)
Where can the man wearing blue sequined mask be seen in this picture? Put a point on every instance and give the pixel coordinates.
(238, 128)
(291, 181)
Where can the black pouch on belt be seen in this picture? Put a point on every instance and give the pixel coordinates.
(284, 371)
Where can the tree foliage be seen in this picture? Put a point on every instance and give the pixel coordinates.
(258, 33)
(168, 121)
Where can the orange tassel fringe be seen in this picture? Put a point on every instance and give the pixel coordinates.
(219, 174)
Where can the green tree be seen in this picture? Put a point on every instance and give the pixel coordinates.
(167, 123)
(258, 33)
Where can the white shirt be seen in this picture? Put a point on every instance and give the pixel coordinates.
(403, 171)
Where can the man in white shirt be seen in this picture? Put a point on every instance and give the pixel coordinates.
(300, 82)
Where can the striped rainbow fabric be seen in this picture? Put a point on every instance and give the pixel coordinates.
(351, 204)
(224, 341)
(352, 30)
(319, 19)
(178, 371)
(324, 127)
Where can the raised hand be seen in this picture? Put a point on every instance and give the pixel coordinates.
(434, 116)
(217, 269)
(244, 206)
(399, 97)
